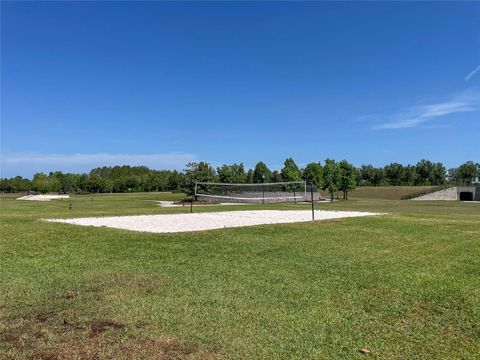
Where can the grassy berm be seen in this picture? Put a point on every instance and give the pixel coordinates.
(405, 285)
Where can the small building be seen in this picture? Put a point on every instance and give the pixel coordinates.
(461, 193)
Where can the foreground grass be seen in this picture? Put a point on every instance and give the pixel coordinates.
(403, 285)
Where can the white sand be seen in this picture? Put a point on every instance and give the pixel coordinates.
(171, 223)
(43, 197)
(163, 203)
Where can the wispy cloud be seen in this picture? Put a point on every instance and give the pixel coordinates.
(28, 163)
(463, 102)
(472, 74)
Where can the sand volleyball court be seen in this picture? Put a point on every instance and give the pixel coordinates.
(172, 223)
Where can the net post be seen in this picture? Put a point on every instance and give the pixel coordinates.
(194, 192)
(311, 198)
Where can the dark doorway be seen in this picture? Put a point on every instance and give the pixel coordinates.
(466, 196)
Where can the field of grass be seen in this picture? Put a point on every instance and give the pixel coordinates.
(403, 285)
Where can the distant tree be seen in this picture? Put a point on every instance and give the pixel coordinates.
(56, 181)
(378, 177)
(41, 183)
(409, 175)
(249, 177)
(6, 185)
(371, 176)
(276, 176)
(452, 175)
(424, 171)
(16, 184)
(140, 178)
(365, 174)
(467, 173)
(201, 172)
(155, 181)
(261, 173)
(232, 174)
(331, 176)
(132, 183)
(313, 174)
(20, 184)
(438, 174)
(176, 181)
(291, 172)
(347, 176)
(94, 184)
(394, 173)
(225, 174)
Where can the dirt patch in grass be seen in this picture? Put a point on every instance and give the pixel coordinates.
(79, 326)
(133, 348)
(54, 338)
(68, 295)
(41, 317)
(100, 326)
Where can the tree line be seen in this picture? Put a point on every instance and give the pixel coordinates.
(332, 176)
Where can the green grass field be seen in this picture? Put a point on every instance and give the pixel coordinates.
(404, 285)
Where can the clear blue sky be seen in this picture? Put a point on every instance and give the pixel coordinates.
(85, 84)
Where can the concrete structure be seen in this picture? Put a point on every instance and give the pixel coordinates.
(462, 193)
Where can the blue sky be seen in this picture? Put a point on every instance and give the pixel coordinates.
(161, 84)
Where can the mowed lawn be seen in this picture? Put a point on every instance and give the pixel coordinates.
(403, 285)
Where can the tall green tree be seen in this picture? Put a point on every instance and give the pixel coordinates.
(331, 176)
(232, 174)
(201, 172)
(438, 175)
(261, 173)
(394, 173)
(424, 170)
(249, 177)
(347, 181)
(41, 183)
(467, 173)
(313, 174)
(409, 175)
(276, 176)
(176, 181)
(291, 172)
(371, 176)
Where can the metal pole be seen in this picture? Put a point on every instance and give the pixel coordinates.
(263, 189)
(311, 198)
(191, 198)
